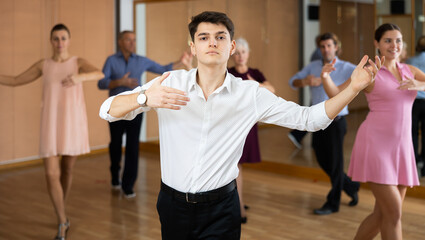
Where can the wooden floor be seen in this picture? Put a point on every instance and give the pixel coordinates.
(280, 206)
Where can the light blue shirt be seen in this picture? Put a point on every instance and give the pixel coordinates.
(419, 62)
(116, 67)
(339, 76)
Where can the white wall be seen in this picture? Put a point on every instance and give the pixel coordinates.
(126, 15)
(311, 30)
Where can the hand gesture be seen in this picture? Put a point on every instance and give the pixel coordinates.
(311, 80)
(186, 60)
(412, 84)
(159, 96)
(250, 77)
(128, 82)
(328, 68)
(71, 80)
(363, 75)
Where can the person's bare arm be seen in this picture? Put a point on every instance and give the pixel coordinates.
(158, 96)
(415, 83)
(360, 78)
(29, 75)
(86, 72)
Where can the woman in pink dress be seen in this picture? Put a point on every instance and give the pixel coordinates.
(383, 153)
(64, 131)
(251, 149)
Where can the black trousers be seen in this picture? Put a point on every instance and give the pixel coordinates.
(132, 130)
(418, 121)
(328, 146)
(217, 220)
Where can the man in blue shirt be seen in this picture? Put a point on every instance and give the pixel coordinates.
(123, 72)
(418, 110)
(328, 143)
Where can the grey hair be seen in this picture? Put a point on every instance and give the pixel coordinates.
(242, 42)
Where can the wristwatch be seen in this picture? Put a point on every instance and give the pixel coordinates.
(142, 99)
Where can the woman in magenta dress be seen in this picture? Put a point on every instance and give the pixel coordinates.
(383, 153)
(64, 131)
(251, 150)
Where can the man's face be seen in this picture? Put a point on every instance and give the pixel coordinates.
(127, 43)
(328, 49)
(212, 44)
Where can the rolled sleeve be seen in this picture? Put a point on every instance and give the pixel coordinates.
(104, 83)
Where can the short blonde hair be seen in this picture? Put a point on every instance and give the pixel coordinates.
(242, 42)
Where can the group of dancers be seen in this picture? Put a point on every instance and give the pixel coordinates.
(205, 115)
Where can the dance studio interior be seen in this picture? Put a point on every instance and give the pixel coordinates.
(283, 192)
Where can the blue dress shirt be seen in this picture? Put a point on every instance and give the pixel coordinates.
(116, 67)
(419, 62)
(339, 76)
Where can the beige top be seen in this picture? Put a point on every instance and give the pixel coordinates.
(64, 128)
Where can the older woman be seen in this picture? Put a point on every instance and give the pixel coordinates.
(64, 131)
(251, 151)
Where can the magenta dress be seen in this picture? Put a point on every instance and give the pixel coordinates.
(64, 128)
(251, 149)
(383, 149)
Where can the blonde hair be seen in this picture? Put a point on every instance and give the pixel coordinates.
(242, 42)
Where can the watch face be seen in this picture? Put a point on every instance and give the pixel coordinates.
(141, 99)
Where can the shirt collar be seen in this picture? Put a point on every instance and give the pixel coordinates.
(119, 54)
(337, 60)
(226, 84)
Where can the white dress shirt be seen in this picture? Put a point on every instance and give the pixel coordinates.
(202, 142)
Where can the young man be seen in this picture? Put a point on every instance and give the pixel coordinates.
(123, 72)
(204, 117)
(328, 143)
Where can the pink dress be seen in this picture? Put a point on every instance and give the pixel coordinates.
(383, 149)
(64, 128)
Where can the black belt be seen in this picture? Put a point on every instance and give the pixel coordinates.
(201, 197)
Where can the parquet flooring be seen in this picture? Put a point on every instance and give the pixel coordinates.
(280, 206)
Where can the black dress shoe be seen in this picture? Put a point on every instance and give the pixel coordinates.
(354, 200)
(244, 220)
(324, 211)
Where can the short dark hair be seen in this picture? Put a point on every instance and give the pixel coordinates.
(121, 34)
(379, 32)
(333, 37)
(211, 17)
(420, 46)
(59, 27)
(327, 36)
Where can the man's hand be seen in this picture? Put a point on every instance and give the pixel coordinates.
(128, 82)
(186, 60)
(311, 80)
(363, 75)
(327, 69)
(159, 96)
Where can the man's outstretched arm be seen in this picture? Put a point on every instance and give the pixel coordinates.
(361, 77)
(158, 96)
